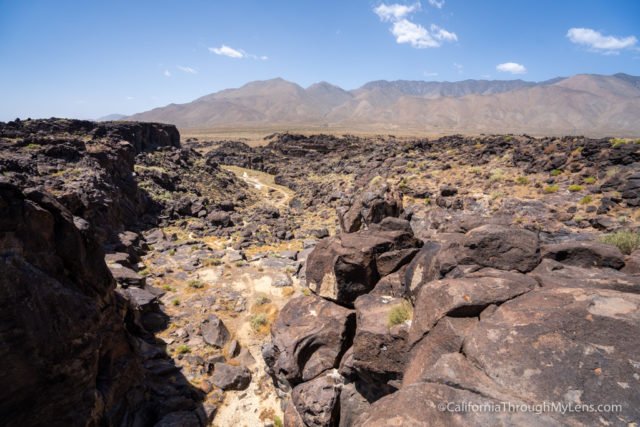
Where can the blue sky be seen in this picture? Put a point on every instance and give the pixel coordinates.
(90, 58)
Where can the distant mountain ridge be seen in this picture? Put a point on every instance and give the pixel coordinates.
(580, 104)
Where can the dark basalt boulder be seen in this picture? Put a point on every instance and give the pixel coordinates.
(584, 254)
(341, 268)
(317, 401)
(465, 297)
(308, 338)
(231, 377)
(370, 207)
(214, 331)
(380, 344)
(506, 248)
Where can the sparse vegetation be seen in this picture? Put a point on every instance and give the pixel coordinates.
(522, 180)
(32, 146)
(586, 200)
(496, 175)
(556, 172)
(257, 321)
(575, 187)
(626, 241)
(212, 262)
(196, 284)
(549, 189)
(306, 292)
(262, 300)
(617, 142)
(277, 421)
(183, 349)
(400, 313)
(167, 288)
(175, 302)
(589, 180)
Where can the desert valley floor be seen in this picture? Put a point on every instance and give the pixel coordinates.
(315, 280)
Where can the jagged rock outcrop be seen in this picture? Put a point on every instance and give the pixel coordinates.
(341, 268)
(309, 338)
(67, 358)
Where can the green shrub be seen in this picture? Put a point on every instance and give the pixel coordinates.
(496, 175)
(522, 180)
(262, 300)
(551, 188)
(575, 187)
(626, 241)
(196, 284)
(32, 146)
(257, 321)
(277, 421)
(589, 180)
(556, 172)
(183, 349)
(175, 302)
(616, 142)
(400, 313)
(586, 200)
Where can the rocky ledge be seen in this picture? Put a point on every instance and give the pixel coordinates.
(396, 329)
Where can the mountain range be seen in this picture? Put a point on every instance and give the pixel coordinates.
(587, 104)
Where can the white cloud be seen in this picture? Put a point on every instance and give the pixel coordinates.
(167, 73)
(188, 70)
(599, 42)
(225, 50)
(511, 67)
(416, 35)
(442, 34)
(437, 3)
(406, 31)
(395, 12)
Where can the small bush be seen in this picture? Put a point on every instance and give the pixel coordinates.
(616, 142)
(522, 180)
(172, 252)
(626, 241)
(32, 146)
(400, 313)
(257, 321)
(175, 302)
(586, 200)
(497, 175)
(551, 188)
(167, 288)
(277, 421)
(183, 349)
(196, 284)
(575, 187)
(262, 300)
(306, 292)
(556, 172)
(589, 180)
